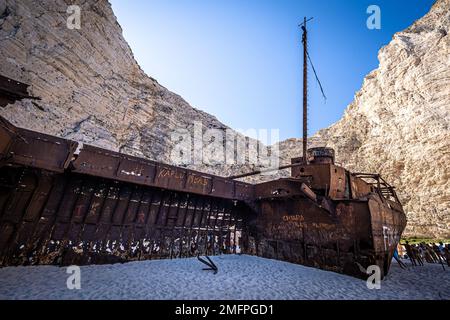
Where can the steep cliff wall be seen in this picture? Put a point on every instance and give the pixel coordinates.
(91, 88)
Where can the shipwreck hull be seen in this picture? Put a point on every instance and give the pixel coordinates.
(70, 218)
(59, 206)
(354, 235)
(99, 206)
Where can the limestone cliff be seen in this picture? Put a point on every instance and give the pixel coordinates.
(91, 88)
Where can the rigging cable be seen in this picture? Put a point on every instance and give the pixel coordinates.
(315, 74)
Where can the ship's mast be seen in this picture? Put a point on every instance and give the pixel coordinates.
(307, 58)
(305, 90)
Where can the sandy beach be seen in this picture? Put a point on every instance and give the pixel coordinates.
(239, 277)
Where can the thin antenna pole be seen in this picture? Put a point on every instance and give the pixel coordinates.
(305, 90)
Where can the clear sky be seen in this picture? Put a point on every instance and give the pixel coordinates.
(241, 60)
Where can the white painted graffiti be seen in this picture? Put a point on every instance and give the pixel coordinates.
(390, 237)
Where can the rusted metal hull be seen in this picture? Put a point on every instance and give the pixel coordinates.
(344, 239)
(12, 90)
(70, 218)
(99, 206)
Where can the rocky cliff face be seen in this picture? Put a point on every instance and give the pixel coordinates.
(93, 91)
(398, 123)
(91, 88)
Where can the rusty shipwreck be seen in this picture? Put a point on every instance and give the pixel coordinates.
(60, 205)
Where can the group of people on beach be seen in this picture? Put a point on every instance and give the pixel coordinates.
(423, 252)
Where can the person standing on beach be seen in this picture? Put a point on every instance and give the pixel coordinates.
(439, 256)
(432, 253)
(421, 250)
(397, 258)
(425, 253)
(417, 254)
(410, 253)
(436, 250)
(401, 250)
(442, 248)
(447, 254)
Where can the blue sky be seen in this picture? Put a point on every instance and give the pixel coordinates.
(241, 60)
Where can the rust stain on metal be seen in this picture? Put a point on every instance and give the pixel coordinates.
(99, 206)
(12, 90)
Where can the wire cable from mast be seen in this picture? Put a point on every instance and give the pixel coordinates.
(315, 74)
